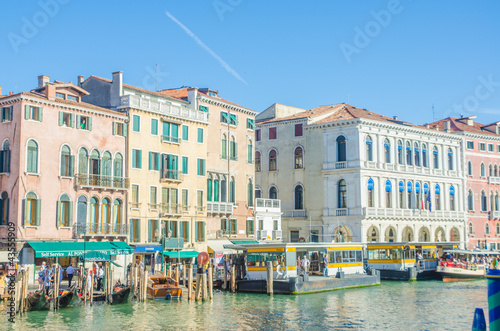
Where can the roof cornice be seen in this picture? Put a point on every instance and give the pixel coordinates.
(475, 135)
(226, 105)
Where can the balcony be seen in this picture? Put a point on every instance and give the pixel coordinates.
(277, 235)
(264, 235)
(170, 209)
(294, 213)
(342, 212)
(169, 175)
(102, 182)
(493, 180)
(219, 207)
(336, 165)
(267, 205)
(495, 214)
(417, 213)
(170, 139)
(101, 229)
(161, 108)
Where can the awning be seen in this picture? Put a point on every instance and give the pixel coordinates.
(181, 254)
(244, 241)
(60, 249)
(217, 246)
(95, 256)
(147, 248)
(4, 257)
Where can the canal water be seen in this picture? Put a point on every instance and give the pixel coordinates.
(423, 305)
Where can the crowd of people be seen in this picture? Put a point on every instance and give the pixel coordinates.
(47, 273)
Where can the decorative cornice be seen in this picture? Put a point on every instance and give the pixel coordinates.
(226, 105)
(474, 135)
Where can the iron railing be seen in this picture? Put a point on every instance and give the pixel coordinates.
(99, 181)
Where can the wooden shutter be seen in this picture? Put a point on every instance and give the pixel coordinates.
(38, 208)
(78, 121)
(70, 213)
(203, 229)
(71, 165)
(125, 126)
(114, 128)
(89, 123)
(58, 216)
(71, 120)
(150, 230)
(132, 230)
(26, 112)
(151, 166)
(139, 152)
(40, 113)
(61, 115)
(196, 231)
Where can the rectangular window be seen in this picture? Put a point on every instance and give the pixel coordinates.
(136, 123)
(120, 129)
(200, 231)
(66, 119)
(152, 196)
(234, 226)
(170, 132)
(200, 135)
(135, 230)
(250, 124)
(135, 193)
(490, 148)
(272, 133)
(185, 200)
(257, 135)
(482, 147)
(200, 167)
(498, 148)
(154, 126)
(199, 200)
(224, 117)
(84, 122)
(249, 153)
(170, 166)
(470, 144)
(136, 158)
(298, 130)
(60, 95)
(185, 132)
(72, 98)
(154, 161)
(33, 113)
(234, 119)
(6, 115)
(203, 109)
(185, 165)
(67, 163)
(250, 227)
(294, 236)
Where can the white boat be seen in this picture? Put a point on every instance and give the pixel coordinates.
(465, 266)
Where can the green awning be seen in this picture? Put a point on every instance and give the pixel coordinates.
(244, 241)
(116, 264)
(181, 254)
(60, 249)
(95, 256)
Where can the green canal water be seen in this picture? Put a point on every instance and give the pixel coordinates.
(424, 305)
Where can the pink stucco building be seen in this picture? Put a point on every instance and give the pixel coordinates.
(481, 145)
(62, 173)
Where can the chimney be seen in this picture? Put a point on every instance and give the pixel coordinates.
(79, 81)
(50, 91)
(470, 121)
(447, 126)
(193, 96)
(116, 88)
(427, 126)
(43, 80)
(395, 117)
(0, 91)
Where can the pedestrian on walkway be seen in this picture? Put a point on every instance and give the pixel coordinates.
(325, 265)
(70, 271)
(100, 276)
(305, 264)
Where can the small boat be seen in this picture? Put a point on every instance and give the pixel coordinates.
(33, 300)
(120, 295)
(65, 298)
(464, 267)
(164, 287)
(45, 302)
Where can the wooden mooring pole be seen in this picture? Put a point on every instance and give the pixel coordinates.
(269, 265)
(190, 282)
(210, 281)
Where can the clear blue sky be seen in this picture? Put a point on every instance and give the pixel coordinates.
(299, 53)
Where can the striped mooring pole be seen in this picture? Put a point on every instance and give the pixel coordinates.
(493, 277)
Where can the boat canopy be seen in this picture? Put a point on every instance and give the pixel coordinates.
(471, 252)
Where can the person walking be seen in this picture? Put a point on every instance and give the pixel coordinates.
(46, 280)
(40, 278)
(70, 271)
(325, 266)
(305, 264)
(100, 276)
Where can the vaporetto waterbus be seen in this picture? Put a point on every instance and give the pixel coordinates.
(465, 264)
(345, 267)
(407, 260)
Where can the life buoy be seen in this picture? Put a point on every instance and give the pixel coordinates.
(302, 240)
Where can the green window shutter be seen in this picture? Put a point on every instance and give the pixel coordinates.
(71, 165)
(72, 120)
(204, 108)
(125, 128)
(209, 190)
(196, 231)
(151, 161)
(249, 153)
(139, 230)
(70, 213)
(114, 128)
(175, 130)
(187, 231)
(38, 208)
(154, 126)
(157, 161)
(150, 230)
(203, 229)
(184, 165)
(200, 135)
(134, 152)
(181, 230)
(131, 230)
(61, 114)
(203, 167)
(40, 113)
(59, 207)
(89, 124)
(26, 112)
(235, 149)
(78, 117)
(185, 132)
(224, 148)
(140, 159)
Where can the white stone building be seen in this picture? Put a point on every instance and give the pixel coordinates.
(348, 174)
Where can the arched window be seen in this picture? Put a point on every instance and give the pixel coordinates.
(5, 157)
(496, 202)
(4, 208)
(470, 201)
(492, 201)
(483, 170)
(495, 173)
(257, 161)
(106, 214)
(209, 188)
(408, 154)
(233, 150)
(273, 192)
(409, 192)
(67, 161)
(454, 235)
(435, 157)
(272, 160)
(118, 166)
(440, 237)
(388, 194)
(342, 194)
(298, 158)
(372, 235)
(232, 190)
(427, 194)
(417, 154)
(450, 159)
(224, 147)
(250, 193)
(469, 168)
(417, 203)
(32, 211)
(424, 234)
(341, 149)
(484, 201)
(94, 214)
(498, 228)
(401, 189)
(400, 152)
(64, 211)
(390, 235)
(95, 161)
(117, 217)
(407, 234)
(437, 192)
(299, 197)
(452, 198)
(223, 189)
(387, 150)
(106, 169)
(369, 148)
(371, 185)
(491, 170)
(486, 229)
(471, 229)
(83, 161)
(81, 214)
(32, 161)
(424, 156)
(249, 151)
(216, 188)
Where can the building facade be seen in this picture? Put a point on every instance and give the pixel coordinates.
(481, 146)
(62, 174)
(376, 179)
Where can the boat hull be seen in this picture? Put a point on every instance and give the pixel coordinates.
(459, 274)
